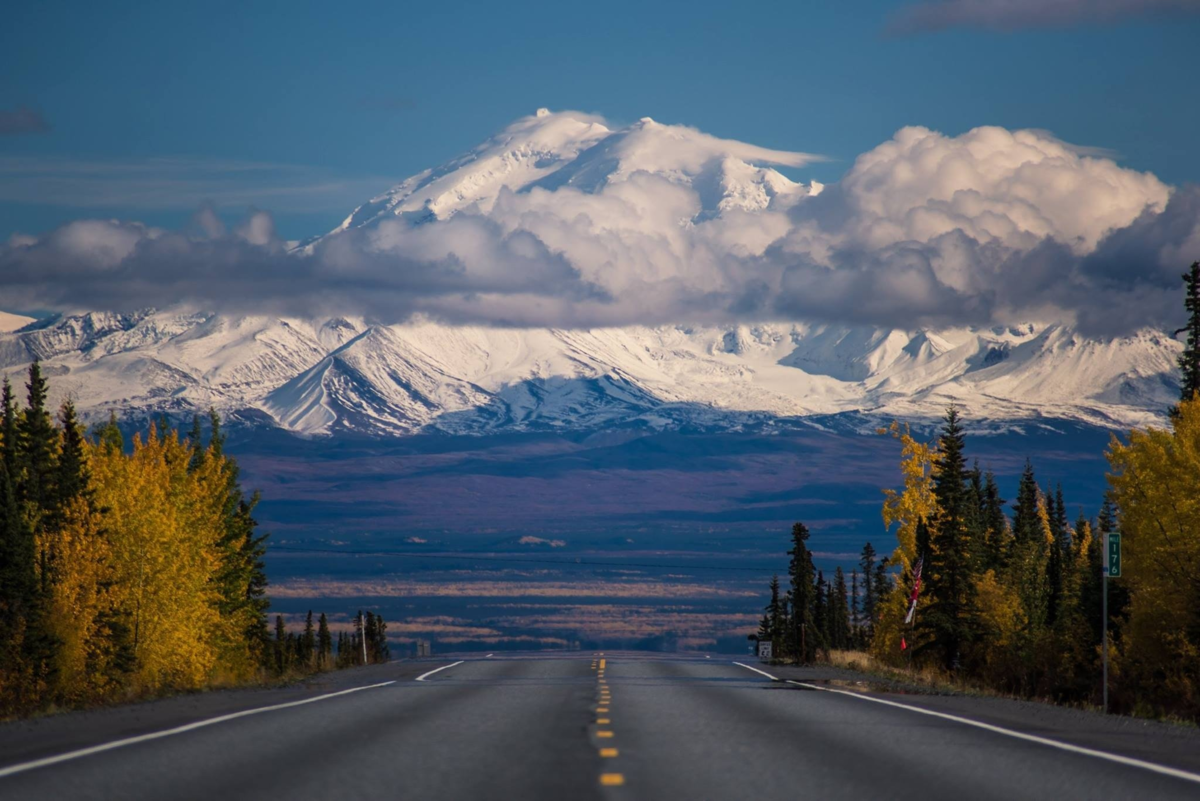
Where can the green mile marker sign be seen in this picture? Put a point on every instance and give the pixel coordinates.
(1114, 555)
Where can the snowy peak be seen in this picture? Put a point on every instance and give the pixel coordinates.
(344, 375)
(551, 150)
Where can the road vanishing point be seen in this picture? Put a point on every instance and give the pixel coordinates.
(603, 725)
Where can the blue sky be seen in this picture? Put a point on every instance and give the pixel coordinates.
(307, 109)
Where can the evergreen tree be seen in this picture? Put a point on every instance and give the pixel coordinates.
(821, 612)
(282, 660)
(72, 479)
(324, 644)
(839, 618)
(774, 618)
(8, 430)
(949, 563)
(855, 612)
(1189, 360)
(37, 449)
(803, 576)
(1025, 526)
(1054, 563)
(309, 641)
(995, 525)
(870, 598)
(883, 583)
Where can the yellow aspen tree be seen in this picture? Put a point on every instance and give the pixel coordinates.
(163, 540)
(907, 509)
(79, 598)
(1155, 482)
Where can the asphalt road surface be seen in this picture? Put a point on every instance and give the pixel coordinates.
(593, 726)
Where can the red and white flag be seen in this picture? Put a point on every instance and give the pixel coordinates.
(916, 590)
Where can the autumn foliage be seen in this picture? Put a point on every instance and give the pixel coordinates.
(124, 571)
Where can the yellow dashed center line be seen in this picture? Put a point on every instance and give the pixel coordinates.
(606, 779)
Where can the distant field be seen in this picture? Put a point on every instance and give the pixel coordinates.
(656, 511)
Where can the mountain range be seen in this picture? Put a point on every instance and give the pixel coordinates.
(345, 374)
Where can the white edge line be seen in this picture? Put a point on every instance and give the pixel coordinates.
(424, 676)
(756, 670)
(1033, 738)
(199, 724)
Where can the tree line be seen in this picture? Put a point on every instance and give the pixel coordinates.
(313, 648)
(1013, 599)
(126, 568)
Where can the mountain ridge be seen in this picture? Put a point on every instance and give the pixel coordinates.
(325, 375)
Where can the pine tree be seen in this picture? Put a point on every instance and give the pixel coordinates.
(1189, 360)
(803, 576)
(839, 634)
(72, 479)
(324, 644)
(37, 448)
(821, 612)
(8, 430)
(855, 612)
(281, 654)
(1054, 563)
(1025, 526)
(309, 641)
(949, 563)
(774, 618)
(870, 597)
(995, 525)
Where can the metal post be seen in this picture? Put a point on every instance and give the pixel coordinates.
(1104, 614)
(362, 625)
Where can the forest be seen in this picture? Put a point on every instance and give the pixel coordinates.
(1013, 602)
(133, 569)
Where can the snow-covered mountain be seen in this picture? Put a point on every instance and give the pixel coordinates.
(319, 376)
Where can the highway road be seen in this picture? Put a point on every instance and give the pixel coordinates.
(610, 725)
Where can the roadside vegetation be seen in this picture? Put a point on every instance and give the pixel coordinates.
(1012, 603)
(133, 569)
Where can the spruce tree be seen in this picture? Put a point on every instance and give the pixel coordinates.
(309, 641)
(1054, 564)
(870, 599)
(950, 562)
(1189, 360)
(72, 479)
(1025, 525)
(855, 612)
(774, 618)
(37, 448)
(995, 525)
(821, 612)
(802, 576)
(324, 644)
(282, 660)
(8, 430)
(840, 612)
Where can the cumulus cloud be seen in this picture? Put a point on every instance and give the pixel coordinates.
(22, 120)
(991, 227)
(1010, 15)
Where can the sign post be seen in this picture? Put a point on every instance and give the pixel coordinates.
(1111, 569)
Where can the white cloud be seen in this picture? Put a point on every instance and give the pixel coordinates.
(663, 224)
